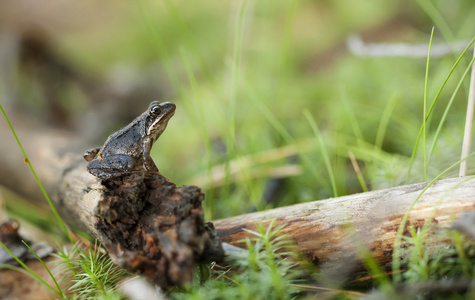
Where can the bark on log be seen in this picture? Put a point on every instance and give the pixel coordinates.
(321, 229)
(329, 232)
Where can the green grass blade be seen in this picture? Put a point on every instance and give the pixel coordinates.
(47, 269)
(323, 149)
(437, 18)
(416, 145)
(424, 125)
(383, 123)
(60, 221)
(355, 126)
(447, 109)
(201, 120)
(27, 270)
(187, 36)
(159, 44)
(27, 273)
(235, 79)
(280, 128)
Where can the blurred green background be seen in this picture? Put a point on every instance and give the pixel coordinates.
(270, 101)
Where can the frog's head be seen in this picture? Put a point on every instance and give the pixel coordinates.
(158, 115)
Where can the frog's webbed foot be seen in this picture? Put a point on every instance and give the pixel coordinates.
(111, 166)
(91, 153)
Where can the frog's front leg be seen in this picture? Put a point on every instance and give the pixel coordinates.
(111, 166)
(91, 153)
(147, 160)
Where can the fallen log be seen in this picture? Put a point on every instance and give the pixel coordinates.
(330, 231)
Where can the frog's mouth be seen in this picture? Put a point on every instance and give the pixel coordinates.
(157, 127)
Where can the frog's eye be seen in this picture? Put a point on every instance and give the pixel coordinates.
(156, 110)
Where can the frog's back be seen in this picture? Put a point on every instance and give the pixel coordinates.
(128, 141)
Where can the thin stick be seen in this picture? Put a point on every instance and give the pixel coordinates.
(468, 124)
(358, 47)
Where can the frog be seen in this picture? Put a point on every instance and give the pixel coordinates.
(128, 150)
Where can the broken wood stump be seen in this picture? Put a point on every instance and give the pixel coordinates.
(148, 225)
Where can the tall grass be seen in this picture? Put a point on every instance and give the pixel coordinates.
(429, 111)
(28, 271)
(57, 289)
(48, 200)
